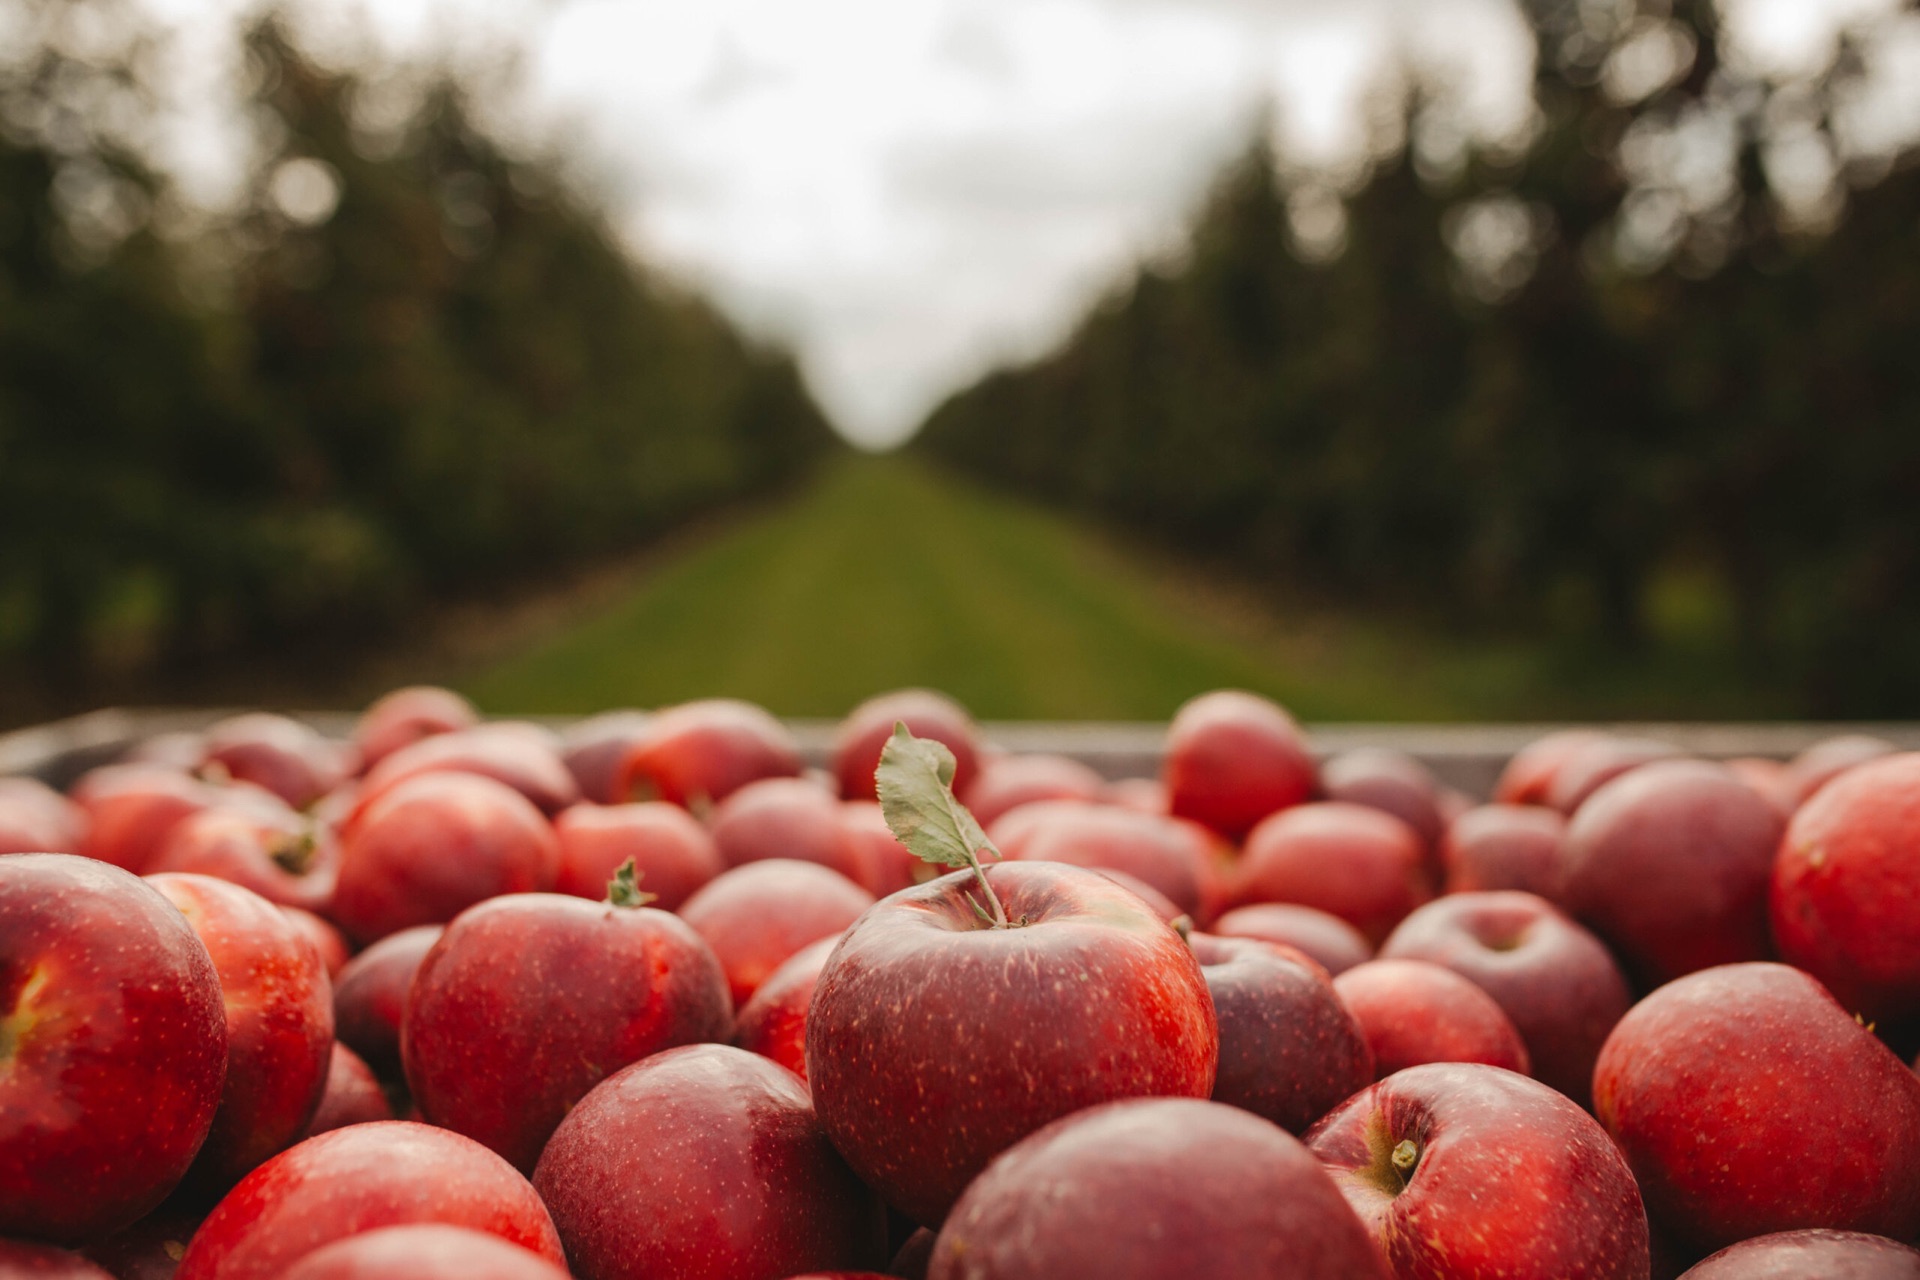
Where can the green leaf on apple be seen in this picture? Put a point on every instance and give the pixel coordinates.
(915, 785)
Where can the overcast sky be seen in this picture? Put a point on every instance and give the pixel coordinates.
(908, 192)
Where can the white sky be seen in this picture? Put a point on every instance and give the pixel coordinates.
(908, 192)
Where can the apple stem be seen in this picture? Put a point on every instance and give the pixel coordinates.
(624, 889)
(1406, 1157)
(295, 854)
(914, 781)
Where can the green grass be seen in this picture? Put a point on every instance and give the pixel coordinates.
(884, 573)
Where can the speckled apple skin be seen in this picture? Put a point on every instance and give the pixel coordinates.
(935, 1043)
(433, 846)
(113, 1046)
(370, 996)
(1289, 1049)
(1846, 888)
(755, 917)
(528, 1001)
(1414, 1012)
(356, 1179)
(1804, 1255)
(705, 1163)
(428, 1251)
(1749, 1101)
(20, 1260)
(1154, 1187)
(1513, 1179)
(279, 1012)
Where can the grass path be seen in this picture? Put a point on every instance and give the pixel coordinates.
(884, 574)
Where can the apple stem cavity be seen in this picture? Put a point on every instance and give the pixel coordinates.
(915, 785)
(295, 854)
(624, 889)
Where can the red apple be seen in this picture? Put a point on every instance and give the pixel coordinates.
(773, 1023)
(704, 1163)
(1748, 1100)
(1505, 846)
(1391, 781)
(356, 1179)
(857, 745)
(889, 866)
(279, 754)
(1812, 1255)
(522, 756)
(1006, 783)
(1529, 775)
(1155, 1187)
(34, 818)
(1232, 758)
(1846, 887)
(528, 1001)
(370, 998)
(113, 1046)
(756, 916)
(936, 1040)
(279, 1011)
(702, 752)
(1336, 945)
(20, 1260)
(671, 852)
(1360, 864)
(1413, 1012)
(1470, 1172)
(1289, 1048)
(1590, 767)
(353, 1095)
(433, 846)
(1163, 852)
(131, 808)
(1670, 865)
(425, 1252)
(284, 858)
(1142, 795)
(1557, 982)
(1768, 777)
(593, 748)
(404, 716)
(786, 818)
(1826, 760)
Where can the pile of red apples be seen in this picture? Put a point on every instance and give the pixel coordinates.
(466, 1000)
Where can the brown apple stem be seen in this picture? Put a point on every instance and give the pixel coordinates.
(295, 854)
(1406, 1157)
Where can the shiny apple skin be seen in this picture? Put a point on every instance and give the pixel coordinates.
(774, 1023)
(404, 716)
(370, 996)
(1363, 865)
(34, 818)
(276, 753)
(786, 818)
(934, 1042)
(428, 1251)
(1150, 1188)
(1006, 783)
(705, 1163)
(755, 917)
(1749, 1101)
(672, 853)
(356, 1179)
(513, 753)
(113, 1047)
(1232, 758)
(250, 850)
(432, 847)
(1504, 846)
(1289, 1048)
(528, 1001)
(702, 752)
(1845, 898)
(279, 1013)
(1163, 852)
(1333, 943)
(1413, 1012)
(1512, 1178)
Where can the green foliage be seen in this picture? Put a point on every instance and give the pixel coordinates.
(1534, 449)
(441, 371)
